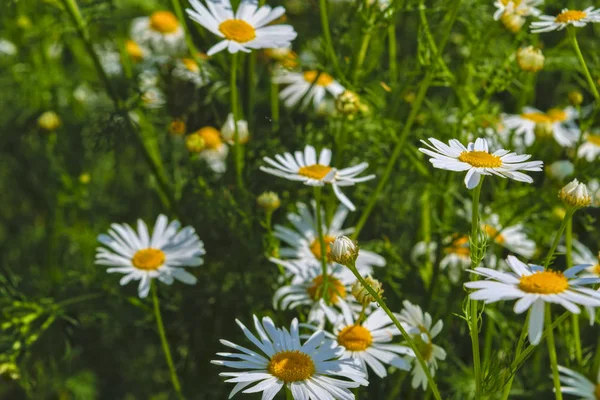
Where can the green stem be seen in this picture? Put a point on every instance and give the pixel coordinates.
(78, 299)
(552, 354)
(164, 342)
(474, 318)
(251, 85)
(393, 54)
(568, 214)
(425, 84)
(520, 344)
(405, 335)
(188, 37)
(328, 41)
(364, 46)
(274, 104)
(586, 71)
(317, 193)
(237, 148)
(574, 317)
(426, 226)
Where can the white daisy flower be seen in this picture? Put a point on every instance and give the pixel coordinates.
(153, 98)
(522, 8)
(160, 32)
(534, 287)
(310, 85)
(188, 70)
(557, 122)
(311, 371)
(304, 243)
(244, 31)
(594, 188)
(583, 255)
(109, 58)
(590, 149)
(228, 130)
(512, 237)
(7, 48)
(308, 288)
(368, 342)
(215, 151)
(306, 168)
(575, 384)
(477, 160)
(423, 332)
(456, 256)
(143, 257)
(566, 17)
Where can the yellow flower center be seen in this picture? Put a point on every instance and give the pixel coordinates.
(237, 30)
(315, 171)
(425, 348)
(134, 50)
(148, 259)
(315, 247)
(335, 289)
(291, 366)
(594, 139)
(191, 65)
(164, 22)
(324, 78)
(480, 159)
(211, 136)
(493, 233)
(355, 338)
(570, 15)
(557, 115)
(536, 117)
(545, 282)
(595, 269)
(459, 246)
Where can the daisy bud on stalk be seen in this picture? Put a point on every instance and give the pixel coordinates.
(513, 22)
(348, 103)
(194, 143)
(575, 98)
(530, 59)
(49, 121)
(268, 201)
(575, 194)
(228, 130)
(344, 251)
(361, 294)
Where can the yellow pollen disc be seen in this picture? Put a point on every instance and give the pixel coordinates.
(594, 139)
(164, 22)
(545, 282)
(536, 117)
(570, 15)
(191, 64)
(134, 50)
(315, 171)
(148, 259)
(480, 159)
(324, 78)
(493, 233)
(211, 136)
(335, 289)
(291, 366)
(315, 247)
(237, 30)
(355, 338)
(557, 115)
(595, 269)
(459, 246)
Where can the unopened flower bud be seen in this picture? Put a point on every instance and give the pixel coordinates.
(575, 98)
(530, 59)
(543, 129)
(361, 294)
(85, 178)
(575, 194)
(348, 103)
(194, 143)
(49, 121)
(177, 127)
(344, 250)
(228, 130)
(513, 22)
(268, 201)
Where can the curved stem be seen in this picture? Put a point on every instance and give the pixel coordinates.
(393, 54)
(586, 71)
(568, 214)
(552, 354)
(237, 148)
(574, 317)
(164, 342)
(328, 41)
(322, 244)
(474, 317)
(188, 37)
(405, 335)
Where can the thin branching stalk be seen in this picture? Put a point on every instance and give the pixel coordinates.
(328, 41)
(574, 317)
(552, 354)
(568, 215)
(322, 244)
(573, 37)
(188, 37)
(237, 147)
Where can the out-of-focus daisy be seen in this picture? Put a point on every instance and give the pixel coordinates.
(304, 243)
(512, 237)
(136, 52)
(109, 58)
(368, 342)
(244, 31)
(534, 287)
(533, 122)
(456, 256)
(566, 17)
(284, 56)
(49, 121)
(228, 130)
(477, 160)
(7, 48)
(583, 255)
(306, 168)
(143, 257)
(423, 332)
(161, 32)
(309, 287)
(188, 70)
(153, 98)
(312, 85)
(215, 151)
(590, 149)
(578, 385)
(521, 8)
(594, 188)
(310, 371)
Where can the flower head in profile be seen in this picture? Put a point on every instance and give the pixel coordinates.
(214, 151)
(249, 28)
(590, 148)
(344, 250)
(161, 32)
(188, 70)
(310, 370)
(534, 287)
(522, 8)
(477, 161)
(141, 256)
(577, 18)
(228, 130)
(576, 384)
(511, 237)
(306, 168)
(423, 331)
(575, 194)
(311, 85)
(534, 124)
